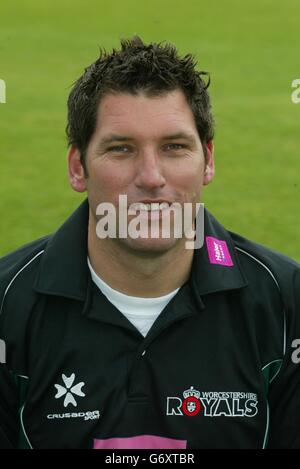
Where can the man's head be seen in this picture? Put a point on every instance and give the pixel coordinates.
(140, 124)
(153, 69)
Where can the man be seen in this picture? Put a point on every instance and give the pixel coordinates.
(137, 341)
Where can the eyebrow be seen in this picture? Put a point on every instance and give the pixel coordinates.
(115, 138)
(180, 135)
(124, 138)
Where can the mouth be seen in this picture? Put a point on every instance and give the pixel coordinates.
(150, 206)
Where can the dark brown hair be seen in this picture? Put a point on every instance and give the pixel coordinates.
(154, 69)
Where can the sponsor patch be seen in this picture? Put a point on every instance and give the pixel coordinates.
(218, 252)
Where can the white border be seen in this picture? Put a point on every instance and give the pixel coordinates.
(11, 282)
(284, 339)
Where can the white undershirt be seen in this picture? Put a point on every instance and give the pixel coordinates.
(141, 312)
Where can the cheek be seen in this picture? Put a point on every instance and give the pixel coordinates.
(106, 181)
(190, 177)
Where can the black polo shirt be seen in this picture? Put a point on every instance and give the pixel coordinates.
(218, 368)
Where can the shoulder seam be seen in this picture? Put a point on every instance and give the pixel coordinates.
(16, 275)
(259, 262)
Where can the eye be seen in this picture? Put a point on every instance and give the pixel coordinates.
(174, 146)
(119, 149)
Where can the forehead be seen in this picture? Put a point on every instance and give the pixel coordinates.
(141, 115)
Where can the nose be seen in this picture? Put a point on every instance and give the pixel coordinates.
(149, 171)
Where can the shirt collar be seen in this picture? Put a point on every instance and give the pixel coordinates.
(64, 271)
(216, 265)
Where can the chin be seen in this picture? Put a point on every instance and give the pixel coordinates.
(149, 246)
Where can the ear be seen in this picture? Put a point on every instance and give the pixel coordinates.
(76, 171)
(209, 163)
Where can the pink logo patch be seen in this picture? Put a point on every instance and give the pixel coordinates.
(218, 252)
(140, 442)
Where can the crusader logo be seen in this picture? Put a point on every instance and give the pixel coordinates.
(69, 390)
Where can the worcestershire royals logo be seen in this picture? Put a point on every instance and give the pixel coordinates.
(213, 404)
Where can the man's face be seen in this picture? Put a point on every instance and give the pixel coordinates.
(147, 148)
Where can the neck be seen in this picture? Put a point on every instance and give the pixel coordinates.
(142, 274)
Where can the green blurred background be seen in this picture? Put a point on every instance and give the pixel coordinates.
(250, 47)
